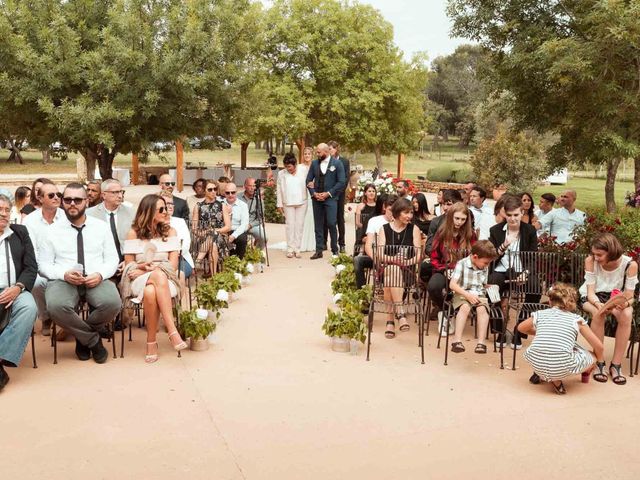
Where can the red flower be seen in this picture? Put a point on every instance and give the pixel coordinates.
(591, 220)
(618, 221)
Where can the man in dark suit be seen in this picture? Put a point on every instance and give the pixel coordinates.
(334, 151)
(181, 209)
(18, 269)
(325, 181)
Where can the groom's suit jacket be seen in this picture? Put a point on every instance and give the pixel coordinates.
(334, 179)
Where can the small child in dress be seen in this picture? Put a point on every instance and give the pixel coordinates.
(469, 286)
(554, 353)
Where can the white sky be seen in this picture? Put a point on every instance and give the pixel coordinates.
(419, 25)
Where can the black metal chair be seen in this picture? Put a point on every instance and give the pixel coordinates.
(360, 232)
(394, 266)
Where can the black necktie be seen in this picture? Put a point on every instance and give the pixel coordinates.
(114, 232)
(82, 290)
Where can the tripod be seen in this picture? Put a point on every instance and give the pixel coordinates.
(257, 196)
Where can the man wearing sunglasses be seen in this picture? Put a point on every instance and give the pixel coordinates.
(37, 223)
(79, 257)
(239, 220)
(180, 207)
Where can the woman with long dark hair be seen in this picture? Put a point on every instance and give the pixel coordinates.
(365, 210)
(34, 202)
(151, 253)
(21, 198)
(528, 215)
(421, 215)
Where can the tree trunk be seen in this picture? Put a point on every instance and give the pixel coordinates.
(105, 162)
(15, 152)
(300, 143)
(243, 155)
(636, 172)
(445, 136)
(258, 145)
(90, 158)
(46, 156)
(378, 153)
(610, 183)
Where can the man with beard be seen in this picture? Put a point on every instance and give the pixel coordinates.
(78, 257)
(94, 193)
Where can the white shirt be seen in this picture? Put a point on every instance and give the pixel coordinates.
(483, 220)
(182, 231)
(324, 164)
(239, 217)
(4, 238)
(560, 223)
(542, 215)
(375, 224)
(38, 227)
(59, 254)
(292, 189)
(509, 259)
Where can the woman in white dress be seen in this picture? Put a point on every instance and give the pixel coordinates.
(309, 231)
(292, 201)
(151, 253)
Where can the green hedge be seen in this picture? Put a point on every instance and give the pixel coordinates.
(450, 174)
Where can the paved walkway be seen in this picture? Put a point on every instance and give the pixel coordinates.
(271, 401)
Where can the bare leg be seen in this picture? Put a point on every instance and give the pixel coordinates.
(482, 316)
(622, 333)
(597, 321)
(461, 319)
(151, 317)
(163, 299)
(214, 259)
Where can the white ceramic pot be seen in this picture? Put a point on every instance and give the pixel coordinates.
(340, 344)
(354, 346)
(199, 345)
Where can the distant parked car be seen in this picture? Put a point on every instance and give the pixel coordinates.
(162, 146)
(209, 142)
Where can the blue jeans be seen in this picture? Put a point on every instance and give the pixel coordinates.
(186, 268)
(326, 212)
(15, 336)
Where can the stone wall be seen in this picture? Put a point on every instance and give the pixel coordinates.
(433, 187)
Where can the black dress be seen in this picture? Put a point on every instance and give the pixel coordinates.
(423, 225)
(365, 215)
(393, 240)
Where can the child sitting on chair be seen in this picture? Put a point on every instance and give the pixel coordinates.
(469, 286)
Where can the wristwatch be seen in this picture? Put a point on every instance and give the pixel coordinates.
(20, 285)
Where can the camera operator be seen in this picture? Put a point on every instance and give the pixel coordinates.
(255, 216)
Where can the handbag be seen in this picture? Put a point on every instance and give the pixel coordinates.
(5, 312)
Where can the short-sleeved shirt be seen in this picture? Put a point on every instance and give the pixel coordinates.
(469, 277)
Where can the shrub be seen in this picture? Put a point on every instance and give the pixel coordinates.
(450, 174)
(345, 322)
(271, 213)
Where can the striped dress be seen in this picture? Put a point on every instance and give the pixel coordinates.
(554, 353)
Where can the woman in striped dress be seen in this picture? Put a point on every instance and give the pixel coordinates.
(554, 353)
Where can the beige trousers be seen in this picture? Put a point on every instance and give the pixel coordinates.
(294, 219)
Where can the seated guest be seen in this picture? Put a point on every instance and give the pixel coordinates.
(449, 197)
(554, 352)
(468, 284)
(512, 236)
(18, 270)
(365, 210)
(118, 216)
(483, 215)
(561, 222)
(239, 221)
(452, 241)
(38, 223)
(395, 239)
(437, 211)
(94, 192)
(528, 207)
(609, 272)
(34, 200)
(150, 274)
(362, 262)
(255, 217)
(222, 186)
(211, 221)
(79, 257)
(421, 215)
(180, 207)
(21, 198)
(468, 187)
(199, 188)
(183, 234)
(402, 190)
(291, 200)
(547, 201)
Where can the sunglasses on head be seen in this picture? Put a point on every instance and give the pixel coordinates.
(74, 200)
(170, 184)
(51, 195)
(230, 193)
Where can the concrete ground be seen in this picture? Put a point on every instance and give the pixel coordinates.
(270, 400)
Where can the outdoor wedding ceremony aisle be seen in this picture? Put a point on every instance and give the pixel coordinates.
(271, 400)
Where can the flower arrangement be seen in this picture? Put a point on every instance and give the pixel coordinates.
(632, 199)
(384, 183)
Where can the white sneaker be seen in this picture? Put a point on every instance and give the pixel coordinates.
(516, 347)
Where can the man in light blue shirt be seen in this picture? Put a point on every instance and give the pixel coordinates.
(482, 213)
(239, 220)
(561, 222)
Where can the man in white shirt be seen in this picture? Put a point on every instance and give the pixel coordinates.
(362, 262)
(545, 207)
(402, 190)
(255, 219)
(561, 222)
(78, 257)
(482, 215)
(38, 222)
(119, 217)
(239, 220)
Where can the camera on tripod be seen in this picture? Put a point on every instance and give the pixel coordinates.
(260, 182)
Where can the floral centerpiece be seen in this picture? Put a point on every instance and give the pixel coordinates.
(384, 183)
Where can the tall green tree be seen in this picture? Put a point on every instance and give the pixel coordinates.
(572, 67)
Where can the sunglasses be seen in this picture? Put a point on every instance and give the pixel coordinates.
(170, 184)
(229, 193)
(74, 200)
(211, 189)
(161, 210)
(52, 195)
(116, 192)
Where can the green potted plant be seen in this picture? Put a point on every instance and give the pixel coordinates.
(208, 297)
(254, 258)
(345, 280)
(195, 324)
(342, 326)
(235, 264)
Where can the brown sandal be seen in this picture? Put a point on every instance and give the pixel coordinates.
(390, 331)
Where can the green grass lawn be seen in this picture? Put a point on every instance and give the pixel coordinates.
(590, 190)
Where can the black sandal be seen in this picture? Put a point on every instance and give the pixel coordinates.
(481, 348)
(600, 376)
(535, 379)
(617, 378)
(457, 347)
(389, 332)
(560, 390)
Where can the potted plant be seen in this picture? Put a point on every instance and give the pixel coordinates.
(207, 297)
(235, 264)
(345, 280)
(197, 327)
(342, 326)
(226, 282)
(253, 257)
